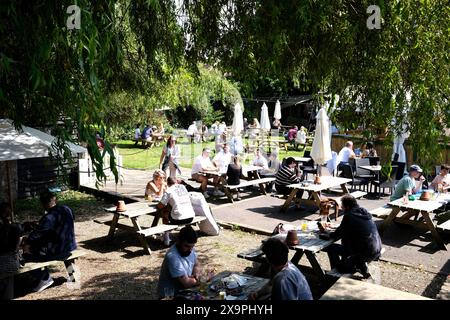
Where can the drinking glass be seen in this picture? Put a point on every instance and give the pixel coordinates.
(169, 293)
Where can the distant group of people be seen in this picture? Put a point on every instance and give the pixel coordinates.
(149, 133)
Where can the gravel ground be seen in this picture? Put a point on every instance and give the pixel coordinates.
(119, 270)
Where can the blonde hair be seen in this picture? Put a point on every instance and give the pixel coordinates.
(159, 173)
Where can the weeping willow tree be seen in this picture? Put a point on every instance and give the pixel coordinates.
(394, 76)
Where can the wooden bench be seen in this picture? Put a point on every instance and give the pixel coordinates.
(246, 183)
(444, 226)
(350, 289)
(355, 194)
(69, 263)
(161, 228)
(381, 212)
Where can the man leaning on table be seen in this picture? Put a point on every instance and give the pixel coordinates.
(408, 183)
(180, 268)
(288, 283)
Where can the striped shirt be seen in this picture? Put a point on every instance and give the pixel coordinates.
(286, 176)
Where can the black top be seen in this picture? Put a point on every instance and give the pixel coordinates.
(359, 234)
(234, 174)
(9, 237)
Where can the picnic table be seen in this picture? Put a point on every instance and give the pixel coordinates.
(309, 245)
(246, 284)
(314, 190)
(412, 209)
(133, 212)
(350, 289)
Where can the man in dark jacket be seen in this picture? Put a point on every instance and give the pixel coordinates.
(52, 239)
(360, 240)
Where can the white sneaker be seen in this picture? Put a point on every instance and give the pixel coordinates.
(218, 193)
(206, 195)
(43, 284)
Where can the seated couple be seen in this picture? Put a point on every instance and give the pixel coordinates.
(203, 164)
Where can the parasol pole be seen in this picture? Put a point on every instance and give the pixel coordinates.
(11, 200)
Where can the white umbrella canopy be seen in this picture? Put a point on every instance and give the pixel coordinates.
(238, 120)
(277, 112)
(399, 140)
(265, 121)
(321, 147)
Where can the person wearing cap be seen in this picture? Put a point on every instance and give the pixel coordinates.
(169, 157)
(408, 183)
(201, 164)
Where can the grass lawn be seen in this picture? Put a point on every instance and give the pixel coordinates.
(134, 157)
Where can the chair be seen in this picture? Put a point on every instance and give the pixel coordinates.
(385, 183)
(309, 167)
(373, 161)
(347, 172)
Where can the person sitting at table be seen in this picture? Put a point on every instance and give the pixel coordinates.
(255, 124)
(246, 125)
(155, 188)
(407, 184)
(369, 151)
(234, 174)
(223, 158)
(222, 127)
(219, 142)
(287, 283)
(52, 239)
(10, 237)
(346, 154)
(180, 268)
(443, 178)
(292, 134)
(181, 210)
(146, 135)
(360, 240)
(201, 164)
(301, 136)
(260, 160)
(289, 173)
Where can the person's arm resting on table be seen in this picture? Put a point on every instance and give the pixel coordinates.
(178, 272)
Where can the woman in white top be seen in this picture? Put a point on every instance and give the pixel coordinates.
(170, 156)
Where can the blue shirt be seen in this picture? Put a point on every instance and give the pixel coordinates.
(405, 183)
(173, 267)
(55, 234)
(290, 284)
(147, 132)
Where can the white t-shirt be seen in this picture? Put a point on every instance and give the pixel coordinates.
(180, 201)
(200, 163)
(301, 137)
(174, 152)
(223, 160)
(192, 130)
(137, 133)
(222, 128)
(261, 162)
(344, 154)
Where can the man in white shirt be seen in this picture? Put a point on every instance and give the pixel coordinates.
(260, 160)
(192, 132)
(223, 159)
(346, 153)
(203, 164)
(222, 127)
(181, 210)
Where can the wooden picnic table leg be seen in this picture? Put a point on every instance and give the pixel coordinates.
(344, 188)
(395, 211)
(289, 199)
(113, 226)
(140, 236)
(297, 256)
(434, 233)
(158, 215)
(314, 263)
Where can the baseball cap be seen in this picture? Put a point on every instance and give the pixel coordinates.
(415, 167)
